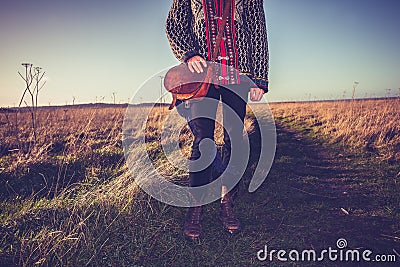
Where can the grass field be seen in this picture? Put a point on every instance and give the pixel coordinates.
(69, 200)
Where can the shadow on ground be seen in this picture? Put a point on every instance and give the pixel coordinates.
(47, 179)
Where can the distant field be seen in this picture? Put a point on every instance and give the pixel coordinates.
(69, 200)
(365, 125)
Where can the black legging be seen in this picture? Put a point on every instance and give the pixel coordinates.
(204, 128)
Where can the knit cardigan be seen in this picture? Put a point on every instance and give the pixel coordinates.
(192, 26)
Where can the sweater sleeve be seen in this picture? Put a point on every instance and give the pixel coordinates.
(179, 30)
(257, 28)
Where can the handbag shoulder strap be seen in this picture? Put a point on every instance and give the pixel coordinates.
(221, 29)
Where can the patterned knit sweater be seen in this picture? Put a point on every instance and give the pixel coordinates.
(192, 26)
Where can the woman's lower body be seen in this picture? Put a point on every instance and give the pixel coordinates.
(202, 116)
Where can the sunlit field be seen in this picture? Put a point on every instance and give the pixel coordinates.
(68, 199)
(365, 125)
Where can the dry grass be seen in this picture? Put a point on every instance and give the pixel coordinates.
(70, 196)
(78, 185)
(68, 132)
(369, 125)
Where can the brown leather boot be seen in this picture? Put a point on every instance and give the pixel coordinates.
(229, 221)
(192, 226)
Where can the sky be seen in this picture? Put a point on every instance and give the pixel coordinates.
(94, 50)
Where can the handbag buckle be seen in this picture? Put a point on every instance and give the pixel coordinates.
(187, 104)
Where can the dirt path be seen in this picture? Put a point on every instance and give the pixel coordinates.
(314, 195)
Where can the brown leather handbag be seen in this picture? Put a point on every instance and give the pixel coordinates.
(185, 85)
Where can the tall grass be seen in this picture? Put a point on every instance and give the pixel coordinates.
(363, 125)
(78, 188)
(69, 199)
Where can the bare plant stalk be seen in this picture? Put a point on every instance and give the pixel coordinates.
(354, 90)
(17, 128)
(29, 78)
(38, 77)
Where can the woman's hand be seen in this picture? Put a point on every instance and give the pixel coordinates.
(256, 94)
(194, 64)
